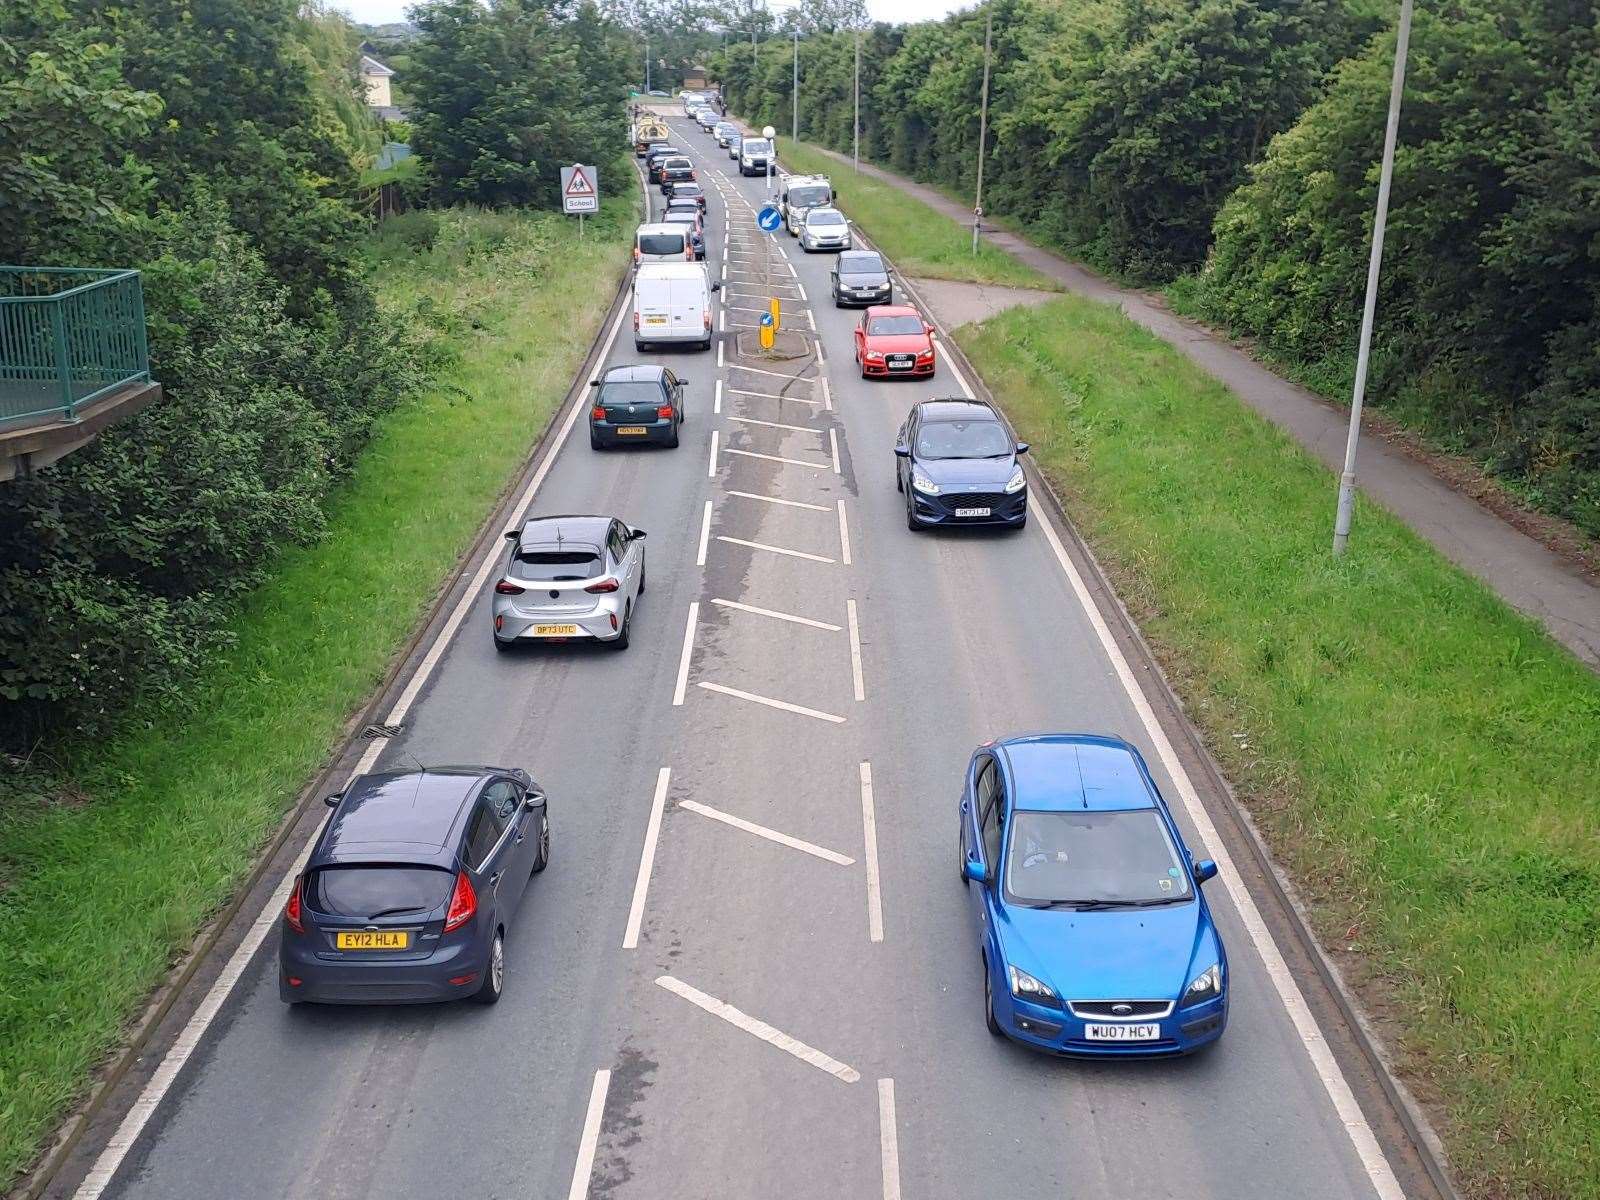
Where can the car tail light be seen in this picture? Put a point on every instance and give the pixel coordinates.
(463, 904)
(605, 585)
(597, 413)
(636, 321)
(506, 588)
(636, 254)
(664, 412)
(291, 910)
(708, 320)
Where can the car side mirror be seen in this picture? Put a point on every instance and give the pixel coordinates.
(511, 535)
(594, 383)
(1204, 869)
(926, 327)
(1022, 447)
(638, 533)
(976, 871)
(332, 799)
(902, 451)
(533, 800)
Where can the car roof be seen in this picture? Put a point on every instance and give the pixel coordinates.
(1076, 771)
(671, 270)
(957, 409)
(587, 528)
(405, 815)
(858, 255)
(634, 373)
(672, 215)
(820, 210)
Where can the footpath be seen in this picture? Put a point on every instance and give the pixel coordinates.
(1537, 581)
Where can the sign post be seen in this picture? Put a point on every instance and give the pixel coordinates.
(768, 219)
(580, 191)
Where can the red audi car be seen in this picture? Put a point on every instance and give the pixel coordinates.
(893, 339)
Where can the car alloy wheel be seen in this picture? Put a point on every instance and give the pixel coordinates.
(543, 860)
(494, 979)
(620, 642)
(988, 1003)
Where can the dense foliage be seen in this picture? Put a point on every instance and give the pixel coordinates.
(1237, 140)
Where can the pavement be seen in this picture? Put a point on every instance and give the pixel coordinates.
(750, 969)
(1548, 587)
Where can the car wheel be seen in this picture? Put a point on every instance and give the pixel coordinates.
(706, 345)
(594, 441)
(501, 646)
(911, 517)
(988, 1003)
(494, 976)
(641, 577)
(672, 442)
(899, 483)
(638, 345)
(543, 859)
(620, 642)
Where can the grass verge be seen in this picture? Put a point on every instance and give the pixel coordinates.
(1421, 757)
(923, 243)
(100, 894)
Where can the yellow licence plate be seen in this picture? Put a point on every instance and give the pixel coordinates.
(554, 630)
(367, 939)
(627, 430)
(655, 320)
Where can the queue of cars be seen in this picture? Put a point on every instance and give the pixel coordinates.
(1095, 937)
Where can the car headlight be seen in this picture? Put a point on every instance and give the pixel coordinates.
(1205, 986)
(1026, 987)
(874, 356)
(1017, 482)
(923, 484)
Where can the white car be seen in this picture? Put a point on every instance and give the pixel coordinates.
(825, 229)
(569, 579)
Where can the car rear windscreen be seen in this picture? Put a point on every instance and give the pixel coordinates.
(661, 243)
(384, 889)
(555, 566)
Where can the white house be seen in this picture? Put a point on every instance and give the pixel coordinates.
(375, 77)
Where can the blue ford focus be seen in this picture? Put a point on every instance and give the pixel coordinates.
(1096, 939)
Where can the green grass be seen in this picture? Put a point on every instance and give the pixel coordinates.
(98, 895)
(1422, 758)
(923, 243)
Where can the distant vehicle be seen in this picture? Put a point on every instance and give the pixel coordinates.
(684, 204)
(647, 134)
(676, 170)
(824, 229)
(725, 131)
(672, 303)
(690, 219)
(735, 143)
(636, 404)
(754, 154)
(685, 191)
(1097, 940)
(956, 462)
(567, 579)
(861, 277)
(659, 241)
(798, 195)
(411, 887)
(659, 93)
(691, 101)
(894, 340)
(657, 155)
(707, 118)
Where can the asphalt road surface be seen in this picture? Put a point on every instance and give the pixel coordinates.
(750, 970)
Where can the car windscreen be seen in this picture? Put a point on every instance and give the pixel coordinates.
(755, 145)
(631, 391)
(962, 439)
(374, 890)
(810, 195)
(540, 565)
(857, 263)
(827, 217)
(661, 243)
(894, 325)
(1087, 857)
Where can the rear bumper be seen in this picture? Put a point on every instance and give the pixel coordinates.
(655, 432)
(346, 981)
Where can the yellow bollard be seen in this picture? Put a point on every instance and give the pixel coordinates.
(777, 313)
(766, 335)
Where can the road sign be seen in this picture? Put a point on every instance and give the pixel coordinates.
(769, 219)
(767, 331)
(580, 189)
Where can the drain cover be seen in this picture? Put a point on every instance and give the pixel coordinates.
(373, 732)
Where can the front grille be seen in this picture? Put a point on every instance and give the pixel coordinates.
(1102, 1009)
(975, 499)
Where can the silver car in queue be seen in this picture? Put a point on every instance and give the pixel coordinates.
(569, 579)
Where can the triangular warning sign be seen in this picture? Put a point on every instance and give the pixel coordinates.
(579, 184)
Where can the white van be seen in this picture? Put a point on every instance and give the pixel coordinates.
(754, 154)
(798, 195)
(672, 303)
(660, 242)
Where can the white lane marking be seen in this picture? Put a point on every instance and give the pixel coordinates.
(711, 471)
(774, 396)
(793, 462)
(772, 835)
(869, 827)
(802, 288)
(844, 535)
(724, 266)
(961, 380)
(776, 500)
(855, 649)
(833, 446)
(827, 394)
(775, 425)
(760, 1029)
(161, 1081)
(1327, 1068)
(583, 1169)
(771, 703)
(888, 1140)
(773, 549)
(716, 405)
(705, 535)
(810, 320)
(821, 361)
(723, 317)
(688, 650)
(774, 374)
(647, 860)
(719, 355)
(775, 614)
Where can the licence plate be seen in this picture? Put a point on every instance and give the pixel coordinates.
(1122, 1033)
(630, 430)
(554, 630)
(972, 512)
(367, 939)
(655, 320)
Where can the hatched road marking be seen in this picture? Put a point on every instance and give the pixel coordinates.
(760, 1029)
(772, 835)
(769, 702)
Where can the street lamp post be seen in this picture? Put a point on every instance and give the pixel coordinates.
(794, 89)
(647, 66)
(1391, 132)
(983, 127)
(855, 152)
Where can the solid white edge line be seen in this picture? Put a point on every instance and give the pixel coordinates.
(716, 405)
(733, 541)
(961, 380)
(833, 446)
(869, 830)
(888, 1140)
(647, 860)
(688, 651)
(1379, 1173)
(779, 500)
(772, 835)
(711, 471)
(844, 535)
(583, 1169)
(855, 649)
(774, 614)
(769, 702)
(705, 536)
(760, 1029)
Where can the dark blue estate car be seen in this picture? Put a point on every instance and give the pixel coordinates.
(956, 463)
(411, 886)
(1095, 937)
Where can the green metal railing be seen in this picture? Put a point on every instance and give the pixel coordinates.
(68, 335)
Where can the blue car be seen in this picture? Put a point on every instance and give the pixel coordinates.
(956, 464)
(1096, 939)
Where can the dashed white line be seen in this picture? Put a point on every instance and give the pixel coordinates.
(844, 535)
(888, 1140)
(771, 835)
(721, 537)
(647, 859)
(783, 705)
(583, 1169)
(778, 500)
(793, 462)
(833, 446)
(827, 393)
(719, 355)
(688, 650)
(869, 826)
(723, 318)
(711, 471)
(705, 535)
(855, 650)
(760, 1029)
(775, 614)
(775, 425)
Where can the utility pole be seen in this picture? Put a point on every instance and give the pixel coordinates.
(794, 103)
(1391, 133)
(983, 125)
(647, 64)
(856, 141)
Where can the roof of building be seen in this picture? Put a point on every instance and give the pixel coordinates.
(371, 66)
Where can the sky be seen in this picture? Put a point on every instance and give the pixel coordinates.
(374, 12)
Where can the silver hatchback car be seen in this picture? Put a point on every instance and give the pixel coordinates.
(569, 579)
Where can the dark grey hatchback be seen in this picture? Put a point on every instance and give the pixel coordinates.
(411, 886)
